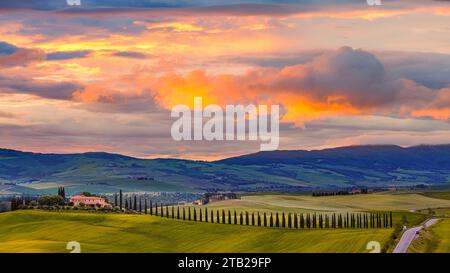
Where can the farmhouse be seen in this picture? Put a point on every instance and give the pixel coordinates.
(89, 201)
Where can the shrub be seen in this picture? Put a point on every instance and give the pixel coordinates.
(50, 200)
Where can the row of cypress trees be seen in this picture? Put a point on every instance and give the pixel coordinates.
(281, 220)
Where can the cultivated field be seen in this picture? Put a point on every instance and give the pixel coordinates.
(376, 201)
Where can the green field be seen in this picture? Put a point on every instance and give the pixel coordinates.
(39, 231)
(442, 233)
(404, 201)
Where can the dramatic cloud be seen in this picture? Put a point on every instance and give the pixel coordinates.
(7, 49)
(41, 88)
(57, 56)
(344, 81)
(133, 55)
(13, 56)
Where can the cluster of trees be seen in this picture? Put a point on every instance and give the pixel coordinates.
(62, 192)
(46, 200)
(51, 200)
(333, 193)
(16, 202)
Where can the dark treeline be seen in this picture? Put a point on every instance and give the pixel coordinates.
(333, 193)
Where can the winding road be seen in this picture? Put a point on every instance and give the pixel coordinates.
(409, 235)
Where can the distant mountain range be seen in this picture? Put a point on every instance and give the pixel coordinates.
(344, 167)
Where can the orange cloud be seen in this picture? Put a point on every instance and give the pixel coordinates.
(439, 108)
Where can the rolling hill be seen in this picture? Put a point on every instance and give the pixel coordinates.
(364, 166)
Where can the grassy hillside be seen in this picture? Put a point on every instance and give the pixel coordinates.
(442, 233)
(435, 239)
(38, 231)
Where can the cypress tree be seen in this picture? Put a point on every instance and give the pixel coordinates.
(327, 221)
(206, 215)
(271, 220)
(259, 220)
(229, 217)
(167, 211)
(320, 221)
(162, 210)
(195, 214)
(201, 215)
(184, 214)
(390, 219)
(115, 199)
(295, 221)
(223, 217)
(135, 203)
(145, 205)
(156, 208)
(253, 218)
(283, 220)
(178, 212)
(173, 212)
(277, 220)
(120, 199)
(289, 220)
(189, 213)
(241, 219)
(246, 218)
(217, 217)
(151, 207)
(140, 205)
(265, 219)
(302, 221)
(235, 218)
(212, 216)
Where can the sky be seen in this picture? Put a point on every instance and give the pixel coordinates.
(105, 75)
